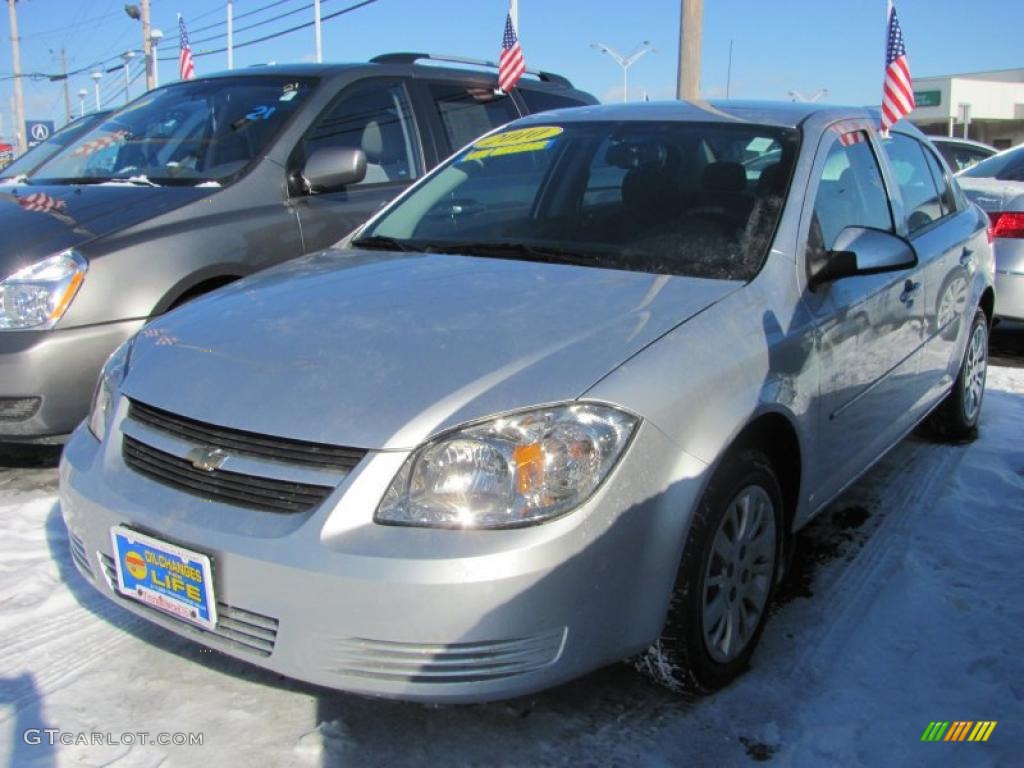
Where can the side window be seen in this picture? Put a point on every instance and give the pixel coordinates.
(375, 118)
(850, 192)
(469, 112)
(542, 101)
(941, 179)
(922, 200)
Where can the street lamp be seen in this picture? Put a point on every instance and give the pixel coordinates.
(127, 56)
(625, 61)
(82, 93)
(154, 41)
(96, 77)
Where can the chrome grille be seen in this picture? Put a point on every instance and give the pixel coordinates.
(221, 485)
(240, 442)
(236, 628)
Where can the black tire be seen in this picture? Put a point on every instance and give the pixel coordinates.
(680, 659)
(957, 416)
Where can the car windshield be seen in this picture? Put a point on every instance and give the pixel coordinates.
(40, 153)
(1006, 166)
(678, 198)
(186, 133)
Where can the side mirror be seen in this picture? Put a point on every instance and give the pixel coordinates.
(864, 251)
(330, 168)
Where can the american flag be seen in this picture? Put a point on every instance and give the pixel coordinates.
(898, 90)
(186, 68)
(511, 64)
(40, 202)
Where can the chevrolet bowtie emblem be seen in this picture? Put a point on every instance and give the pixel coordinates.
(206, 459)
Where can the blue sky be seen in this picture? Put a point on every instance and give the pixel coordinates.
(778, 46)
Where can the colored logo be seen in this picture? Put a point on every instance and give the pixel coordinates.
(206, 459)
(136, 565)
(959, 730)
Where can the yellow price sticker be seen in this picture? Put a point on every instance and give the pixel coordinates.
(520, 136)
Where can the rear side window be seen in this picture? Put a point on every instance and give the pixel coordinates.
(942, 182)
(469, 112)
(850, 192)
(922, 199)
(374, 117)
(542, 101)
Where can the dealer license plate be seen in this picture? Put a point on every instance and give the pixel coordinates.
(165, 576)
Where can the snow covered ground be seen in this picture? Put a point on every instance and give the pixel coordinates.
(906, 606)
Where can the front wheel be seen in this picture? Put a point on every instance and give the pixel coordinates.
(725, 581)
(956, 417)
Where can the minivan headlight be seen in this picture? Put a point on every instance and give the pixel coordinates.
(103, 398)
(36, 297)
(509, 471)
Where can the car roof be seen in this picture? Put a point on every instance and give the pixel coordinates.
(783, 114)
(963, 142)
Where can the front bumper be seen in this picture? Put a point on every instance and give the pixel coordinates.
(59, 368)
(331, 598)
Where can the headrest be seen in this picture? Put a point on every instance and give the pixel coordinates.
(724, 176)
(373, 141)
(637, 154)
(768, 181)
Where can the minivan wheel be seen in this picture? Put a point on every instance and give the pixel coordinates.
(956, 418)
(725, 581)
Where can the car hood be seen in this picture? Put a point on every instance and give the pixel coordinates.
(994, 195)
(41, 220)
(379, 350)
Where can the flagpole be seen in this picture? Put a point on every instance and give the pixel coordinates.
(231, 39)
(514, 11)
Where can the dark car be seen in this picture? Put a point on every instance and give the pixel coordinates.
(961, 154)
(201, 182)
(25, 165)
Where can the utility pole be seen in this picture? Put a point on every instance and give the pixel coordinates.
(19, 100)
(691, 22)
(231, 38)
(146, 46)
(316, 23)
(67, 93)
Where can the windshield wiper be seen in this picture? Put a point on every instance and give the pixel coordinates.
(544, 253)
(384, 243)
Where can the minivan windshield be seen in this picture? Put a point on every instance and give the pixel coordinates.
(186, 133)
(680, 198)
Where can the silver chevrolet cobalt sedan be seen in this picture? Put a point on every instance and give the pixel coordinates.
(564, 402)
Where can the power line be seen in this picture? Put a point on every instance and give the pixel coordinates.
(257, 24)
(288, 31)
(238, 16)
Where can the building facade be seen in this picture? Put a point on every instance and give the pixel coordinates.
(984, 106)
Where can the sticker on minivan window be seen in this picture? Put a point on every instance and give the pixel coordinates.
(535, 139)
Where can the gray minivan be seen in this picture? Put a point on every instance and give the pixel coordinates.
(201, 182)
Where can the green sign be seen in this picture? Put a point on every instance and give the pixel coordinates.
(928, 98)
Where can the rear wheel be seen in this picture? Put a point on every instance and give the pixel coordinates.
(725, 581)
(957, 416)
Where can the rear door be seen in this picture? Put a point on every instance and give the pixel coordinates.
(376, 116)
(940, 228)
(457, 112)
(868, 326)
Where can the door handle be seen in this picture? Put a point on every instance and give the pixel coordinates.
(967, 260)
(910, 290)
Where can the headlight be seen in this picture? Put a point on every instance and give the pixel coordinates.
(510, 471)
(113, 373)
(36, 297)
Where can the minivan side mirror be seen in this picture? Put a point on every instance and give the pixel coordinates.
(329, 169)
(864, 251)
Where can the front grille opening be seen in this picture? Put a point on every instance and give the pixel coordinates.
(237, 441)
(220, 485)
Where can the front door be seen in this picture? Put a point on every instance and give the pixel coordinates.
(869, 327)
(374, 116)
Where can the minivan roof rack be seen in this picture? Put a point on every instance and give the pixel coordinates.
(412, 58)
